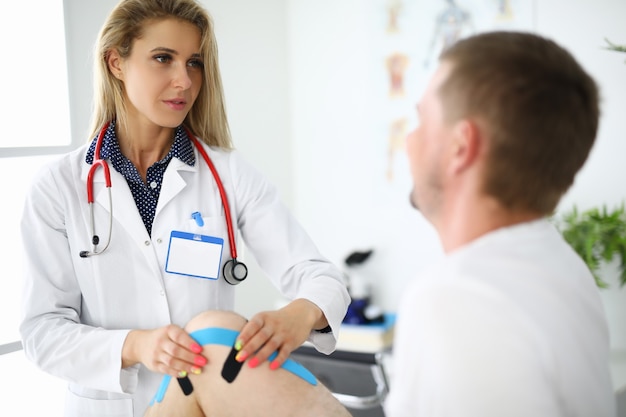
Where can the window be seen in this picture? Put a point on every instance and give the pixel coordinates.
(35, 122)
(35, 118)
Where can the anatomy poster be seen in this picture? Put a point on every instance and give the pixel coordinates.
(410, 35)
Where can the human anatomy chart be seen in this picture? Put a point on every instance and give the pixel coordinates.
(412, 35)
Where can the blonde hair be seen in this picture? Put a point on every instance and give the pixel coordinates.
(207, 118)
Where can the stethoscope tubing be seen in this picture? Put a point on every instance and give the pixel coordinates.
(220, 186)
(98, 163)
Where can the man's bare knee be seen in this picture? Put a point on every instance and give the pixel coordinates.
(216, 318)
(265, 392)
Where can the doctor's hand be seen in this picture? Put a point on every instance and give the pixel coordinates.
(168, 350)
(282, 330)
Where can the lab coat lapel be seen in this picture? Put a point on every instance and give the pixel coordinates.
(173, 182)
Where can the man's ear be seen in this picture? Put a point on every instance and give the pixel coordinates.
(466, 144)
(114, 62)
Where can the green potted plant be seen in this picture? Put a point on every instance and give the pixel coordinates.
(598, 235)
(614, 47)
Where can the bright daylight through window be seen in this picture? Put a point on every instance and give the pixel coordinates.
(35, 122)
(34, 74)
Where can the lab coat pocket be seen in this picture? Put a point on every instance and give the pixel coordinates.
(77, 406)
(214, 226)
(207, 224)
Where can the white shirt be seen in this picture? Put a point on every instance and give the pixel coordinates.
(78, 311)
(509, 325)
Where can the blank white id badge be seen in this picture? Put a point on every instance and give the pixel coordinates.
(194, 255)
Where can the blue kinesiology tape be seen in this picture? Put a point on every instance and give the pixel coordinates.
(227, 337)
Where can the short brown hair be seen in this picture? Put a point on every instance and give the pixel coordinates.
(538, 106)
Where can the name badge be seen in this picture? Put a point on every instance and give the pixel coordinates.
(194, 255)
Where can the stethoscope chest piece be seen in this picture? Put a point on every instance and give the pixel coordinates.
(235, 272)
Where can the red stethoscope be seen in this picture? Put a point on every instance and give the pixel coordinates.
(233, 271)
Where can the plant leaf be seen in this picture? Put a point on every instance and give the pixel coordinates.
(598, 235)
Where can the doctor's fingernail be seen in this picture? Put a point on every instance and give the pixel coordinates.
(196, 371)
(238, 345)
(253, 363)
(182, 374)
(241, 356)
(274, 365)
(200, 360)
(196, 348)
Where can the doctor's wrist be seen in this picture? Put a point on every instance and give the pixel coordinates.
(315, 318)
(130, 349)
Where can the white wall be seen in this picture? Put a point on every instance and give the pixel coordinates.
(252, 38)
(83, 20)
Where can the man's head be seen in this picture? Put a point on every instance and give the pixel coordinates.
(520, 110)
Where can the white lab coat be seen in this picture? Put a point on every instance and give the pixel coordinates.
(78, 311)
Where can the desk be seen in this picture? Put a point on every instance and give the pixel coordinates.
(357, 379)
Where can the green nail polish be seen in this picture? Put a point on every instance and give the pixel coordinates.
(238, 345)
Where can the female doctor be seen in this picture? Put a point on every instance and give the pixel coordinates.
(133, 234)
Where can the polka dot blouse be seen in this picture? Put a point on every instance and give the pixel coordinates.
(146, 195)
